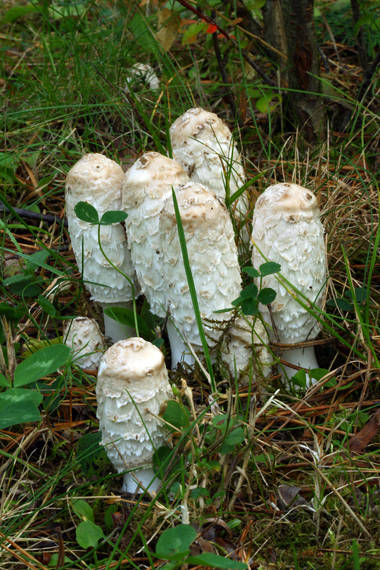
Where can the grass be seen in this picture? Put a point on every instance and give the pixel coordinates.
(231, 463)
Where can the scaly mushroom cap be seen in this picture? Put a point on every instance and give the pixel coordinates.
(131, 388)
(213, 260)
(83, 336)
(145, 186)
(97, 179)
(203, 144)
(287, 229)
(244, 350)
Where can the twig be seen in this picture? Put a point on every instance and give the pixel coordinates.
(49, 218)
(229, 95)
(247, 58)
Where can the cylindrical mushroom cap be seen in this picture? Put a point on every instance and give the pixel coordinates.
(131, 388)
(286, 228)
(145, 186)
(244, 350)
(213, 260)
(97, 179)
(203, 144)
(83, 336)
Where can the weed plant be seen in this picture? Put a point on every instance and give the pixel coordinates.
(256, 477)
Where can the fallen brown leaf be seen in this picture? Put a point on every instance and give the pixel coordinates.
(360, 441)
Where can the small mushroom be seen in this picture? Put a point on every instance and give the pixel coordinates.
(143, 74)
(132, 387)
(214, 263)
(286, 228)
(97, 179)
(83, 336)
(244, 351)
(146, 184)
(203, 144)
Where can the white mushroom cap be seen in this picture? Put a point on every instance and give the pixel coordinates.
(244, 350)
(131, 388)
(203, 144)
(97, 179)
(213, 260)
(287, 229)
(83, 336)
(149, 180)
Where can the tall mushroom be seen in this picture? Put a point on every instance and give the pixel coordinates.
(244, 351)
(214, 263)
(203, 144)
(146, 184)
(83, 336)
(132, 386)
(97, 179)
(286, 228)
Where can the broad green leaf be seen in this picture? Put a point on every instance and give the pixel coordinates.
(318, 373)
(250, 306)
(249, 292)
(19, 406)
(251, 271)
(17, 12)
(86, 212)
(37, 259)
(191, 33)
(4, 381)
(125, 316)
(299, 378)
(83, 510)
(88, 534)
(113, 217)
(269, 267)
(41, 363)
(215, 561)
(175, 542)
(175, 414)
(235, 437)
(266, 296)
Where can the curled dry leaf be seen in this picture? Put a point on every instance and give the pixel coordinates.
(360, 441)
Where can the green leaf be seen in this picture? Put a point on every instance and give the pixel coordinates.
(215, 561)
(11, 313)
(266, 296)
(125, 316)
(17, 12)
(47, 306)
(250, 306)
(86, 212)
(175, 542)
(4, 381)
(113, 217)
(41, 363)
(249, 292)
(251, 271)
(18, 406)
(318, 373)
(161, 459)
(176, 415)
(83, 510)
(234, 438)
(199, 492)
(37, 259)
(299, 378)
(269, 267)
(143, 36)
(191, 33)
(88, 534)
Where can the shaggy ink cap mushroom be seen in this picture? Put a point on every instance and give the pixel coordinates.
(83, 336)
(97, 180)
(214, 264)
(146, 184)
(204, 145)
(244, 350)
(286, 229)
(132, 387)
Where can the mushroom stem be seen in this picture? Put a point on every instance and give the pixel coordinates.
(140, 479)
(179, 349)
(114, 329)
(302, 357)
